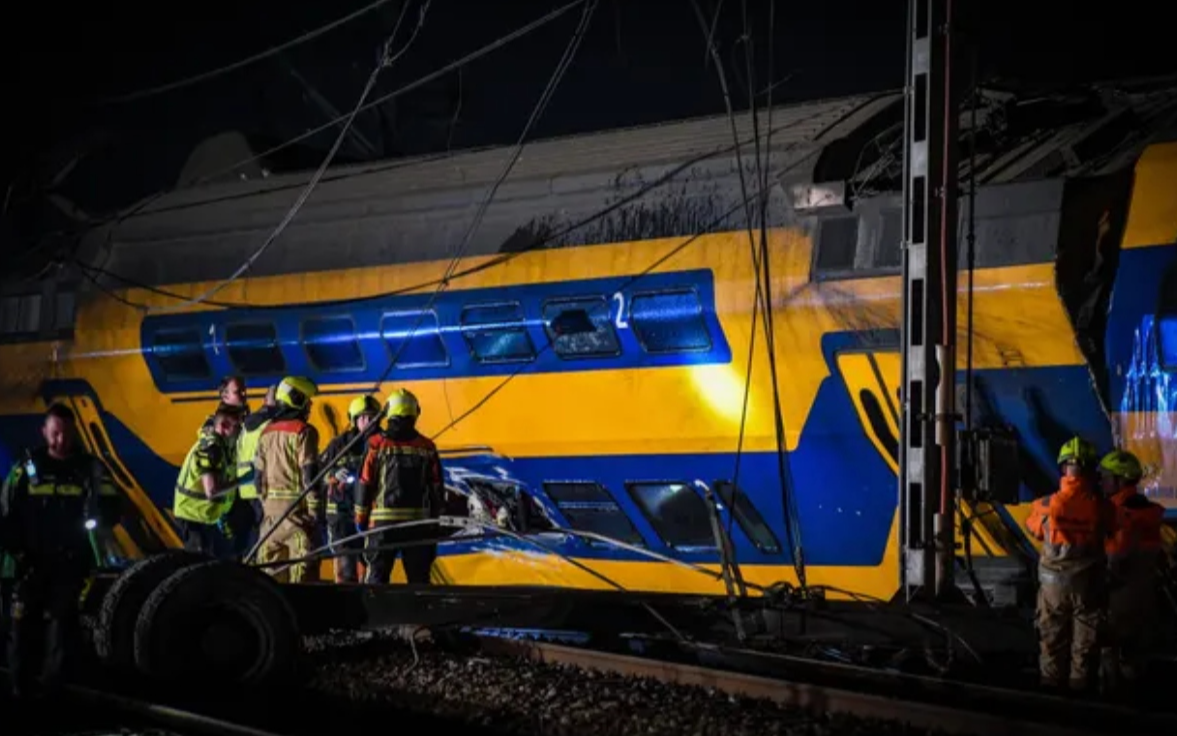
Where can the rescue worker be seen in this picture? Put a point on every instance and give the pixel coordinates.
(50, 506)
(1133, 553)
(204, 494)
(400, 481)
(232, 392)
(245, 515)
(1073, 524)
(286, 462)
(340, 484)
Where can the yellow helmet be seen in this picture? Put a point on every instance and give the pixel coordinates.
(1122, 465)
(402, 403)
(361, 406)
(1078, 450)
(296, 392)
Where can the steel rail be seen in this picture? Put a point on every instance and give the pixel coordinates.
(824, 699)
(185, 721)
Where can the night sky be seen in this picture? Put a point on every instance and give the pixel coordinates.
(641, 62)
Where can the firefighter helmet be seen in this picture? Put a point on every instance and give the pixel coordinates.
(402, 403)
(296, 392)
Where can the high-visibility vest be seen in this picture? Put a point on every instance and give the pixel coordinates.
(246, 451)
(189, 502)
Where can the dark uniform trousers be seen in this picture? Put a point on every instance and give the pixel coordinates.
(44, 617)
(204, 538)
(418, 559)
(341, 526)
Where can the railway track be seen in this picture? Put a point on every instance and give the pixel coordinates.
(921, 702)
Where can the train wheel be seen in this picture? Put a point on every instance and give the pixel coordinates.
(218, 622)
(114, 636)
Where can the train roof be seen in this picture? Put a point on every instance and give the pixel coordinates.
(661, 180)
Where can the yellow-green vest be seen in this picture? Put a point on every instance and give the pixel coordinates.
(189, 502)
(246, 451)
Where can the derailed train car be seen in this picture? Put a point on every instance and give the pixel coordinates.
(616, 430)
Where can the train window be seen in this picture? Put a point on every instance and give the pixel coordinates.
(413, 339)
(595, 339)
(669, 321)
(676, 511)
(496, 333)
(890, 249)
(253, 348)
(20, 315)
(63, 316)
(837, 243)
(180, 355)
(746, 515)
(1167, 339)
(589, 508)
(331, 344)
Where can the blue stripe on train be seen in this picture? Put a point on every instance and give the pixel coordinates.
(846, 493)
(676, 331)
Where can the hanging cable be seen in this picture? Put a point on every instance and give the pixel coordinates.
(273, 51)
(420, 82)
(541, 105)
(387, 59)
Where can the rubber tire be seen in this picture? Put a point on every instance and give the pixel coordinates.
(230, 593)
(114, 636)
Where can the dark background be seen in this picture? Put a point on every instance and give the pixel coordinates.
(642, 62)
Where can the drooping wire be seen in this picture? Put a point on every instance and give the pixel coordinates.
(498, 43)
(541, 105)
(387, 59)
(221, 70)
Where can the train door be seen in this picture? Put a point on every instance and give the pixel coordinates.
(872, 378)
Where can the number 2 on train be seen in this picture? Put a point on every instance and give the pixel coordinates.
(619, 320)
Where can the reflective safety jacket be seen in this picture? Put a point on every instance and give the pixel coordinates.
(1136, 543)
(251, 431)
(400, 480)
(1074, 523)
(340, 493)
(287, 457)
(45, 504)
(210, 454)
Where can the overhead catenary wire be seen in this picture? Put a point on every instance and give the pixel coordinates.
(763, 289)
(241, 63)
(553, 82)
(463, 61)
(536, 112)
(387, 59)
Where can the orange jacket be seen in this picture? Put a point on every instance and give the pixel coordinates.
(1138, 526)
(1074, 524)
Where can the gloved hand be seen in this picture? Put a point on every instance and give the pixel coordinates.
(344, 477)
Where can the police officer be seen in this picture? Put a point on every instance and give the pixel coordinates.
(340, 484)
(1073, 523)
(400, 481)
(1133, 554)
(203, 496)
(287, 462)
(50, 505)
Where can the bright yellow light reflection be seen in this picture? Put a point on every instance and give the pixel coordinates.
(722, 388)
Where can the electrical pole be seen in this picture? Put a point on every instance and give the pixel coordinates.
(927, 452)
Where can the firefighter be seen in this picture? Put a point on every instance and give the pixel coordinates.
(246, 513)
(340, 484)
(1073, 524)
(400, 481)
(51, 504)
(286, 462)
(204, 494)
(1133, 553)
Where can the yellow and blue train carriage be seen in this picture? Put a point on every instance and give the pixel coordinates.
(609, 429)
